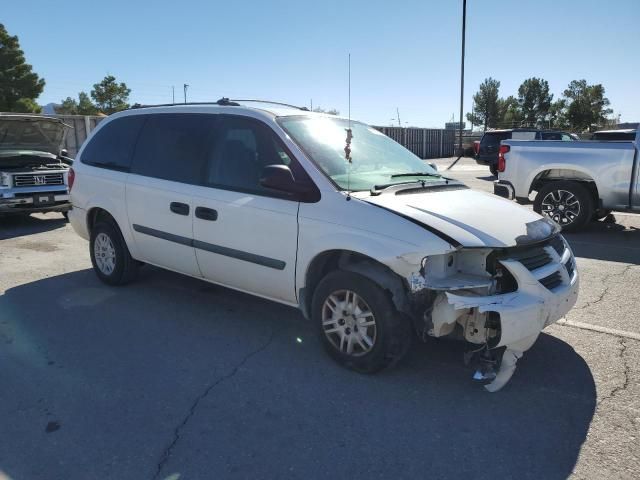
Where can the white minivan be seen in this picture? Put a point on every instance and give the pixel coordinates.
(325, 214)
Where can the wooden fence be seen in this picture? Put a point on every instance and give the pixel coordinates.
(424, 142)
(81, 127)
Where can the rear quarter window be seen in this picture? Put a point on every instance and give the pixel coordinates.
(112, 146)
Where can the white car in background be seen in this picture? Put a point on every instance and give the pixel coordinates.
(263, 200)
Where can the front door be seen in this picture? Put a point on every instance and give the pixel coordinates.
(244, 235)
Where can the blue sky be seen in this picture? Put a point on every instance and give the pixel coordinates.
(405, 54)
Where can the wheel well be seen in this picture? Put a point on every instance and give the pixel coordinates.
(96, 215)
(547, 176)
(331, 260)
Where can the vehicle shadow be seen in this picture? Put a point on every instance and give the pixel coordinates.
(252, 394)
(614, 242)
(18, 225)
(488, 178)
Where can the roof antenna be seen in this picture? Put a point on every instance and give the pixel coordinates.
(347, 148)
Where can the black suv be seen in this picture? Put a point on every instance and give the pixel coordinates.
(487, 153)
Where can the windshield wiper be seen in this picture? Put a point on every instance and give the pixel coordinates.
(416, 174)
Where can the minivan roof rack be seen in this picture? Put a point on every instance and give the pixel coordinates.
(253, 100)
(224, 101)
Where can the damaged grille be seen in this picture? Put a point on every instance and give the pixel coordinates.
(552, 281)
(534, 258)
(569, 265)
(557, 244)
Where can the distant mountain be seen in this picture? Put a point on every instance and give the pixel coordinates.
(50, 108)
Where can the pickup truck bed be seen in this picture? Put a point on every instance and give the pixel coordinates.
(573, 182)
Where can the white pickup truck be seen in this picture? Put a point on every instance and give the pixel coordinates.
(573, 182)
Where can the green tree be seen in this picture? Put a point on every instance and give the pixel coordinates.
(68, 106)
(486, 106)
(110, 96)
(534, 100)
(509, 112)
(558, 114)
(85, 105)
(587, 107)
(82, 106)
(19, 85)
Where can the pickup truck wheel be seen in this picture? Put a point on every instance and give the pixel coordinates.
(110, 256)
(567, 203)
(494, 170)
(358, 323)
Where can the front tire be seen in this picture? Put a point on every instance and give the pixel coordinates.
(110, 255)
(358, 323)
(567, 203)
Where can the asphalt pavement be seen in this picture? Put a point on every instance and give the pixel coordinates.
(171, 377)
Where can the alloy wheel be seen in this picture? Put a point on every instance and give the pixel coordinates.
(349, 323)
(561, 206)
(104, 254)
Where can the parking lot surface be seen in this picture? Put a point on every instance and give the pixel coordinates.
(172, 377)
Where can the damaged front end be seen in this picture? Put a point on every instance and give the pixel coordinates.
(497, 300)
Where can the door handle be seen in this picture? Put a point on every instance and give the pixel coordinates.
(179, 208)
(205, 213)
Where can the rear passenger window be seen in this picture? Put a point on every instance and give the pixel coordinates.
(242, 150)
(174, 146)
(524, 135)
(492, 140)
(112, 146)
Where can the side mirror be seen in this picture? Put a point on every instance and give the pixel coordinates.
(281, 179)
(433, 165)
(278, 177)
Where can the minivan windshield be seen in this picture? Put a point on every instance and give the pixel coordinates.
(376, 159)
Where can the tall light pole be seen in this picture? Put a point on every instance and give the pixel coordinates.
(464, 25)
(464, 28)
(185, 86)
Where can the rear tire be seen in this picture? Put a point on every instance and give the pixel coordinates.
(358, 323)
(494, 170)
(110, 255)
(569, 204)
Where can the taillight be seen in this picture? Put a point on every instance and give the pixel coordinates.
(476, 146)
(71, 177)
(501, 162)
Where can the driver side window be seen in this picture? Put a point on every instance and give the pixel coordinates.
(241, 152)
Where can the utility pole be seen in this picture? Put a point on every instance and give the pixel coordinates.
(185, 86)
(312, 104)
(464, 29)
(398, 114)
(173, 94)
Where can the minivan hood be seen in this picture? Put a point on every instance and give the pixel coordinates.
(468, 218)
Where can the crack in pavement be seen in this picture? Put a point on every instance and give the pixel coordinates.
(166, 454)
(607, 288)
(625, 372)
